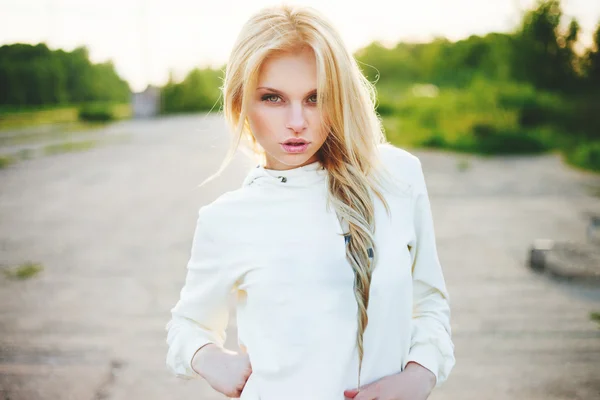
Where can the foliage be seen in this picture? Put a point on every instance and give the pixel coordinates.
(98, 112)
(521, 92)
(544, 53)
(34, 75)
(585, 155)
(199, 91)
(485, 117)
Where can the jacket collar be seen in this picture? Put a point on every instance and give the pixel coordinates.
(303, 176)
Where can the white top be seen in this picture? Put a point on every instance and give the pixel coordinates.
(276, 245)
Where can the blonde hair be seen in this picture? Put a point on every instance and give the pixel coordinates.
(347, 102)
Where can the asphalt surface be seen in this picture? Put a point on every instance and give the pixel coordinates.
(112, 227)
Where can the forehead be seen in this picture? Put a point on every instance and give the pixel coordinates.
(289, 70)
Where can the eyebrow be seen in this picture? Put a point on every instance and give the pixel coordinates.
(280, 92)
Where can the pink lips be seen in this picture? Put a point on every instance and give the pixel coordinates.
(295, 145)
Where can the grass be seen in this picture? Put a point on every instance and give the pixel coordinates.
(24, 271)
(58, 148)
(595, 316)
(6, 160)
(11, 118)
(68, 147)
(52, 124)
(463, 164)
(55, 131)
(30, 117)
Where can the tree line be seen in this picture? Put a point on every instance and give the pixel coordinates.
(540, 52)
(34, 75)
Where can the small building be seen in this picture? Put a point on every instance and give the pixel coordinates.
(146, 104)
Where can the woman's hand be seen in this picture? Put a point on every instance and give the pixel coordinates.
(226, 371)
(415, 382)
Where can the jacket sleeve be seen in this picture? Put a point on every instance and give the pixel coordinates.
(201, 314)
(431, 342)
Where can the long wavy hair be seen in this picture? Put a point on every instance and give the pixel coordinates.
(347, 102)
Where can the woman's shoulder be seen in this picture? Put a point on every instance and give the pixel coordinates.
(228, 209)
(404, 166)
(225, 203)
(397, 156)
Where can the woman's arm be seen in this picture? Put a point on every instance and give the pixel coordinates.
(201, 315)
(431, 342)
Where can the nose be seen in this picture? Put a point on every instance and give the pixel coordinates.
(296, 120)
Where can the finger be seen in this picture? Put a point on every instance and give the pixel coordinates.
(367, 393)
(359, 394)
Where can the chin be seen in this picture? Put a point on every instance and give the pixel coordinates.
(296, 159)
(293, 160)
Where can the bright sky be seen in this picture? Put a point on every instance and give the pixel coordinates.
(147, 38)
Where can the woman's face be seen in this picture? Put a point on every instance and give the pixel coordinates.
(284, 107)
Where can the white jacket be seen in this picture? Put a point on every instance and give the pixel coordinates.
(275, 244)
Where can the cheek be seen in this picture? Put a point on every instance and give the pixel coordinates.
(315, 122)
(263, 122)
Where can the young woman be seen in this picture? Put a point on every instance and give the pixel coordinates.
(328, 245)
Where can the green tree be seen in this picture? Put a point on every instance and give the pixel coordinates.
(199, 91)
(592, 62)
(34, 75)
(544, 55)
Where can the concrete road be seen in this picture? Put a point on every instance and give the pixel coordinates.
(112, 227)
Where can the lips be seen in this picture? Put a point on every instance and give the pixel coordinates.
(295, 142)
(295, 145)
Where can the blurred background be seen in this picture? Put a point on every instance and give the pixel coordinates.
(110, 118)
(493, 77)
